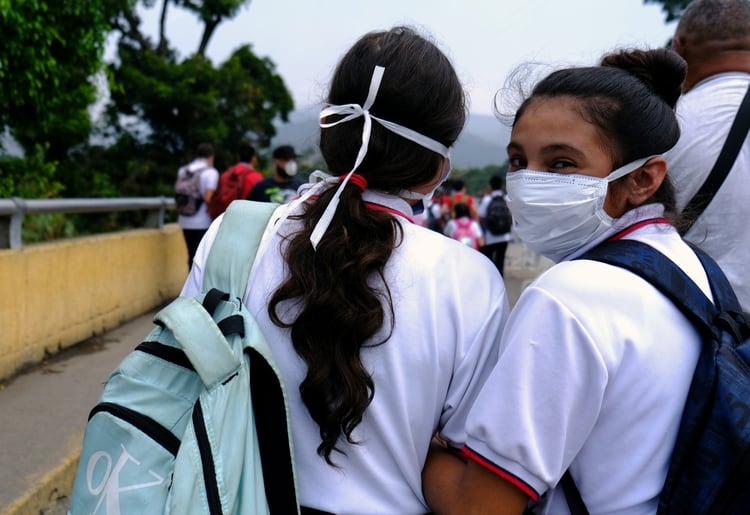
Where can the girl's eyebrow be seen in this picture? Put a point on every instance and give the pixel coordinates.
(513, 145)
(563, 147)
(549, 149)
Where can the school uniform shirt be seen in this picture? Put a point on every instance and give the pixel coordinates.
(209, 181)
(449, 308)
(706, 113)
(594, 369)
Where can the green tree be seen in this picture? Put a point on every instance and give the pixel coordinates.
(672, 8)
(477, 179)
(49, 54)
(164, 106)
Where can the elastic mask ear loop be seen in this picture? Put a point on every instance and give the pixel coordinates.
(628, 168)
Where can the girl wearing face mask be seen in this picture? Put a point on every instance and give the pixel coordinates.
(383, 330)
(595, 363)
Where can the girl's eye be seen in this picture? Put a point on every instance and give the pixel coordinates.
(516, 163)
(561, 164)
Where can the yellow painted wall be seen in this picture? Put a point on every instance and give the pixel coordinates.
(54, 295)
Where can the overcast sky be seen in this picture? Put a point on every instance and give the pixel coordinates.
(485, 39)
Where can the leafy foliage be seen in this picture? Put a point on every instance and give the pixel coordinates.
(477, 179)
(50, 50)
(33, 177)
(160, 106)
(672, 8)
(175, 105)
(30, 177)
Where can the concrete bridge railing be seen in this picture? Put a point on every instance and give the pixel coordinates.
(59, 293)
(13, 211)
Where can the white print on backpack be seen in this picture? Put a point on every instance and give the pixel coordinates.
(109, 488)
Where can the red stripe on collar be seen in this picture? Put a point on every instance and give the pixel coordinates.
(379, 207)
(637, 226)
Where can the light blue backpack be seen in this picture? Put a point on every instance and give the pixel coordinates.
(195, 420)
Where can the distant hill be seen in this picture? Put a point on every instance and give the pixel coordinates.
(482, 142)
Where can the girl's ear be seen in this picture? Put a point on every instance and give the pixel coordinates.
(643, 183)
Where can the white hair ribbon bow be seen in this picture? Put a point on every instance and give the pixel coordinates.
(350, 112)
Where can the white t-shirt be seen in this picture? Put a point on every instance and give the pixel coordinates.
(594, 369)
(209, 181)
(449, 306)
(490, 238)
(706, 113)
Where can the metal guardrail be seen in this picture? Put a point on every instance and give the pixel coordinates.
(13, 210)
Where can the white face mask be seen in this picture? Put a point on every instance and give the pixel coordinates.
(556, 214)
(426, 198)
(291, 168)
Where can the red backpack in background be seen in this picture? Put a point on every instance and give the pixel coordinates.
(234, 183)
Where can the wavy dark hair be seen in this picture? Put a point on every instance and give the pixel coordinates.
(631, 99)
(341, 288)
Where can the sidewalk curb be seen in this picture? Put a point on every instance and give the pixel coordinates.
(49, 489)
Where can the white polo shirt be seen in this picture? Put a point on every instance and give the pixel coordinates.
(706, 113)
(594, 369)
(449, 306)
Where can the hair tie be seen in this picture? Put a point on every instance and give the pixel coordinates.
(356, 179)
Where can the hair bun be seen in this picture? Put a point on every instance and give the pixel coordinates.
(662, 69)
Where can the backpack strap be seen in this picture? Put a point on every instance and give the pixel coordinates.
(233, 251)
(709, 318)
(227, 269)
(200, 338)
(186, 170)
(724, 296)
(653, 266)
(656, 268)
(720, 170)
(572, 495)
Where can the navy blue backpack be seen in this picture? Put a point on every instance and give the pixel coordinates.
(709, 471)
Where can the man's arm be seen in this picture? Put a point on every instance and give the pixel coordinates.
(452, 486)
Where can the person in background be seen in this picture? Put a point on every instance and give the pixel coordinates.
(283, 185)
(595, 363)
(713, 36)
(235, 182)
(247, 159)
(436, 217)
(462, 228)
(495, 245)
(383, 330)
(457, 193)
(195, 226)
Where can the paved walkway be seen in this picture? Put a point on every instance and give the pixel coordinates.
(44, 410)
